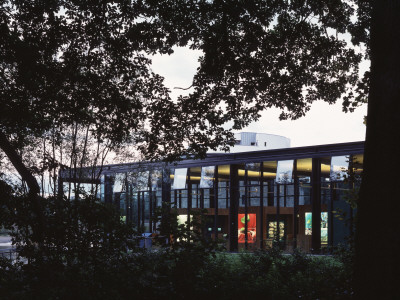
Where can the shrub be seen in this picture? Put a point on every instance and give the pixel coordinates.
(87, 252)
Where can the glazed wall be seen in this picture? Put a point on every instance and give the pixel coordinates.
(278, 198)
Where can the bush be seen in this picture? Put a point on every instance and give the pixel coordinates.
(86, 252)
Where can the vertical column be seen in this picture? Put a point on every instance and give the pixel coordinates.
(166, 186)
(316, 205)
(270, 196)
(166, 197)
(246, 197)
(60, 185)
(202, 198)
(295, 205)
(261, 213)
(233, 208)
(150, 203)
(130, 202)
(216, 203)
(189, 197)
(139, 209)
(285, 194)
(108, 188)
(117, 202)
(197, 196)
(127, 199)
(330, 213)
(143, 204)
(155, 206)
(351, 187)
(227, 194)
(278, 212)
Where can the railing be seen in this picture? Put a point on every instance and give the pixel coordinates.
(146, 241)
(9, 253)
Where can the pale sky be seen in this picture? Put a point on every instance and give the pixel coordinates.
(323, 124)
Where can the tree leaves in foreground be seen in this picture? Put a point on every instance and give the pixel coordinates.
(88, 253)
(81, 243)
(263, 54)
(86, 62)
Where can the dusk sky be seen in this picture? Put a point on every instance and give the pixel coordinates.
(323, 124)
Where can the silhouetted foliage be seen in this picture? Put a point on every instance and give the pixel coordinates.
(82, 242)
(83, 62)
(89, 253)
(68, 62)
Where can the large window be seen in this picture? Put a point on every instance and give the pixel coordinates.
(251, 228)
(324, 226)
(281, 194)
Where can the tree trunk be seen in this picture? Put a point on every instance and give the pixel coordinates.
(378, 223)
(16, 160)
(33, 186)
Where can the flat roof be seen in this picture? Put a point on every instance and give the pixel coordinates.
(242, 157)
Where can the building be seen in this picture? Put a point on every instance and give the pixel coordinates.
(252, 141)
(278, 191)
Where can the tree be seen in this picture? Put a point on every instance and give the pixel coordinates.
(61, 67)
(69, 64)
(259, 54)
(378, 244)
(63, 64)
(84, 62)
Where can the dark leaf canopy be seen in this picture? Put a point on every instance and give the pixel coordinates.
(87, 62)
(67, 62)
(263, 54)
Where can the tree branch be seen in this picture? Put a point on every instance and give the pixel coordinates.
(16, 160)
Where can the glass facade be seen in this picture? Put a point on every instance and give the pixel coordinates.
(253, 201)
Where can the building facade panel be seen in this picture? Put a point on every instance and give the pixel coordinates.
(293, 198)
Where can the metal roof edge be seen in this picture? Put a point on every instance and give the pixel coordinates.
(253, 156)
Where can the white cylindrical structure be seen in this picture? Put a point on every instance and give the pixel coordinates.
(253, 141)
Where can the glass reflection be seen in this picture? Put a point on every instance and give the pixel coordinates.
(253, 183)
(180, 179)
(339, 167)
(284, 173)
(207, 177)
(119, 182)
(155, 180)
(142, 181)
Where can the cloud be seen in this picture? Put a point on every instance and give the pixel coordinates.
(178, 69)
(323, 124)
